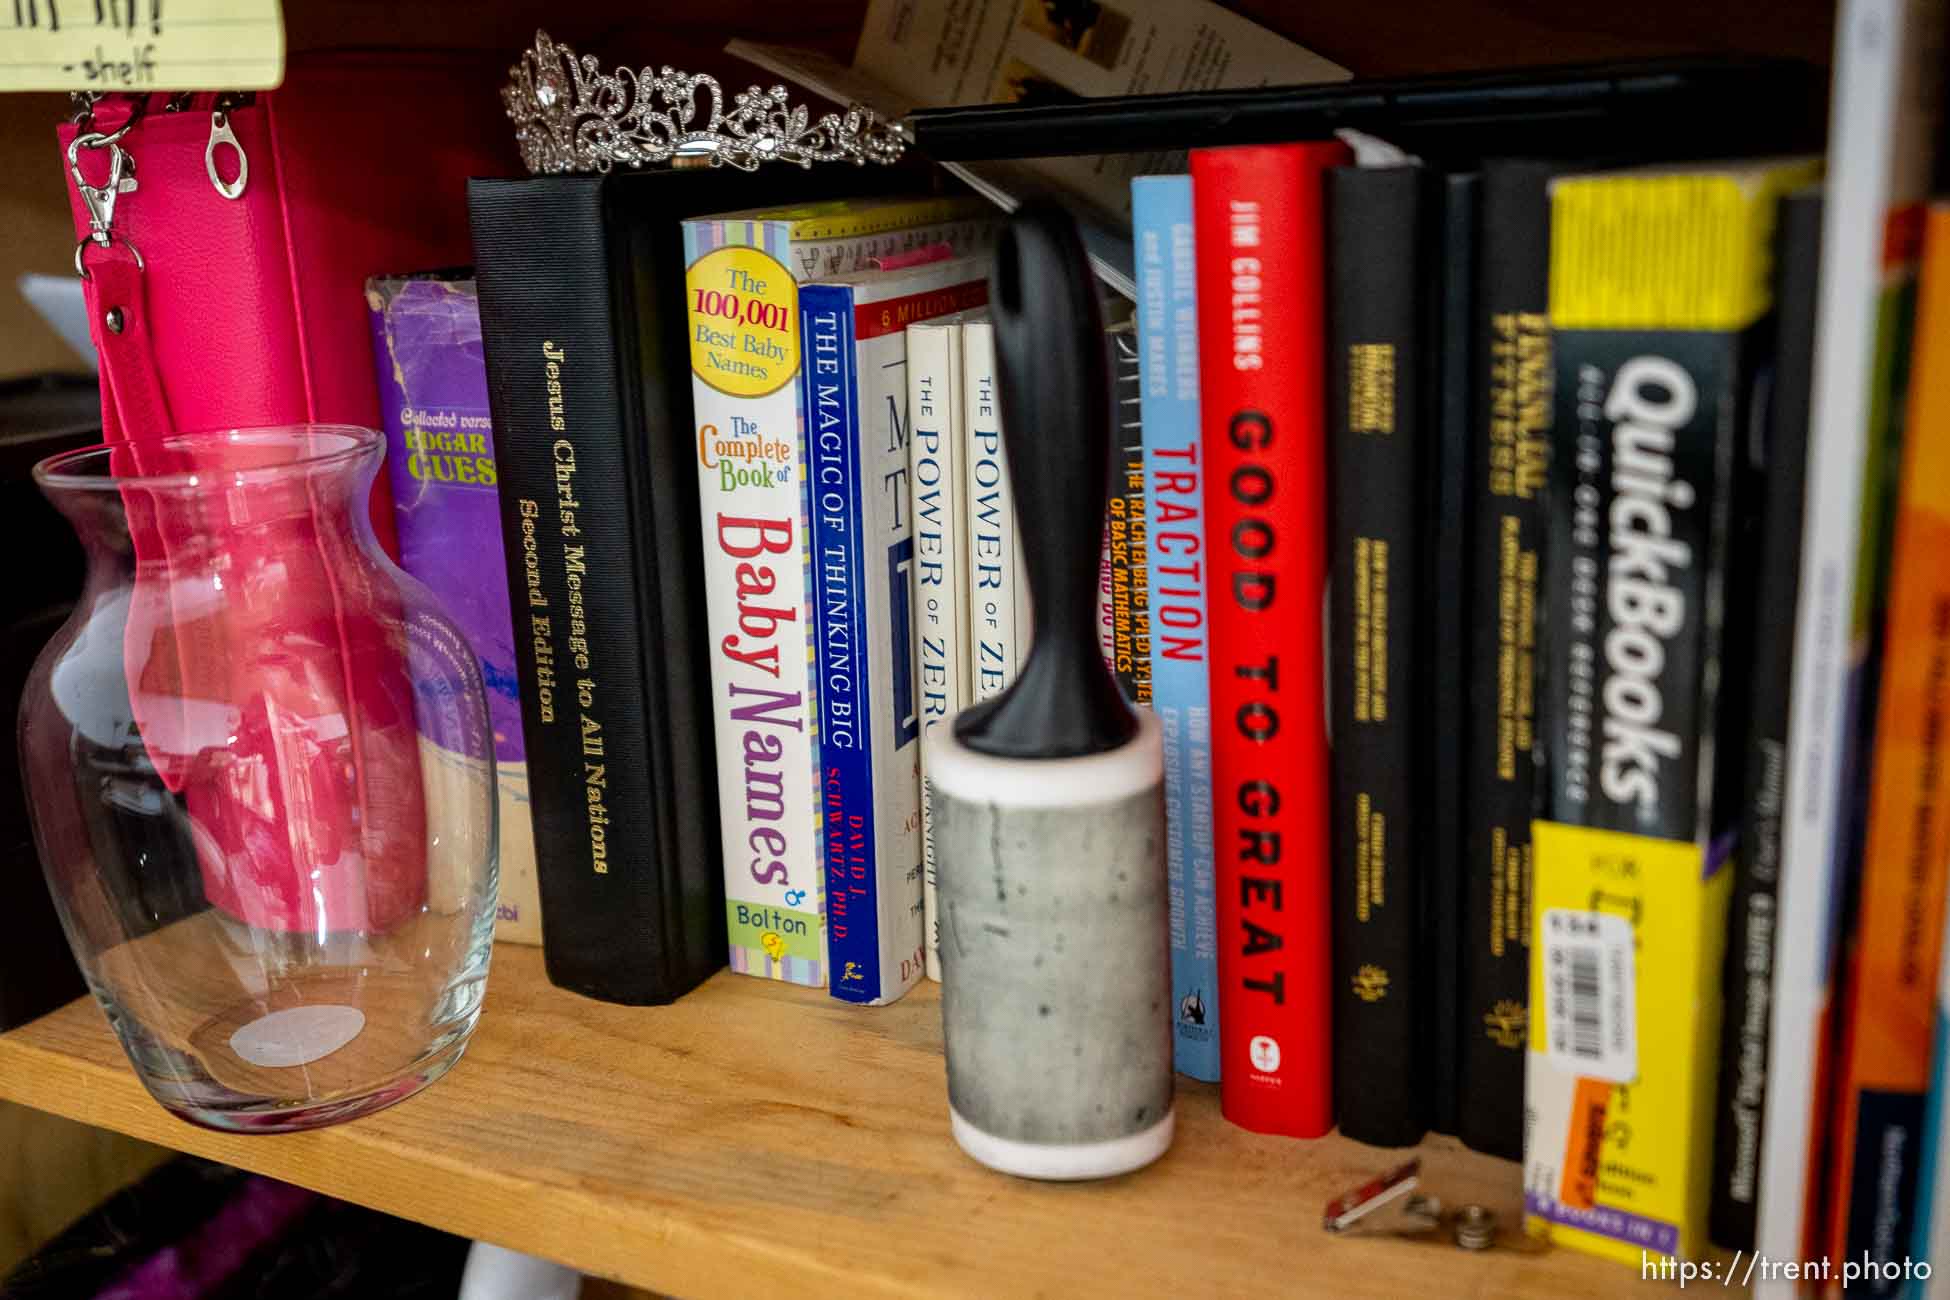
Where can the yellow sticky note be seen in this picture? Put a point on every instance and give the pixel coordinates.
(141, 45)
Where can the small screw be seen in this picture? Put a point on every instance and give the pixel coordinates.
(114, 320)
(1475, 1227)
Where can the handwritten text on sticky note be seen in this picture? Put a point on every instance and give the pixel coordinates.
(141, 45)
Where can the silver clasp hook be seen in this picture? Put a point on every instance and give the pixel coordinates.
(100, 199)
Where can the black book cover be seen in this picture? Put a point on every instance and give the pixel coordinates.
(1781, 473)
(1377, 435)
(1445, 582)
(1509, 466)
(581, 285)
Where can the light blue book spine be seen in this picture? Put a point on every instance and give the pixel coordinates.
(1161, 209)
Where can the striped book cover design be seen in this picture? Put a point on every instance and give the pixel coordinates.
(806, 891)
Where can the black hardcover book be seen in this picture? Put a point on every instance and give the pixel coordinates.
(582, 310)
(1445, 582)
(1781, 469)
(1509, 465)
(1377, 436)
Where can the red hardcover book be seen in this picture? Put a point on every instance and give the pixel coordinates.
(1257, 214)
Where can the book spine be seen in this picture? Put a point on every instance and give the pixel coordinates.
(1257, 211)
(940, 547)
(1175, 514)
(1130, 585)
(1750, 940)
(993, 546)
(554, 394)
(1375, 451)
(1881, 127)
(1884, 1066)
(1446, 581)
(753, 486)
(1829, 1211)
(1931, 1240)
(855, 396)
(1656, 364)
(1508, 466)
(439, 438)
(829, 396)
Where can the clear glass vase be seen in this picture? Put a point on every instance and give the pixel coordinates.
(261, 774)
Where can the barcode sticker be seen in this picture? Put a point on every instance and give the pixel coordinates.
(1590, 994)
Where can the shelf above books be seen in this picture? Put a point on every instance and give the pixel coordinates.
(756, 1137)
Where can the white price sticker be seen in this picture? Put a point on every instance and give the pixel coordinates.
(142, 45)
(1591, 994)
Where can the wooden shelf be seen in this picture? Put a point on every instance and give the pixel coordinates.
(757, 1138)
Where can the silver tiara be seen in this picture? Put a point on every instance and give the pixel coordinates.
(570, 116)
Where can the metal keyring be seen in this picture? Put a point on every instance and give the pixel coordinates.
(99, 139)
(82, 245)
(84, 117)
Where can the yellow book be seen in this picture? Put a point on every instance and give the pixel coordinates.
(1657, 277)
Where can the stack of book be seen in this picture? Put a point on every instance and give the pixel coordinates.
(1532, 562)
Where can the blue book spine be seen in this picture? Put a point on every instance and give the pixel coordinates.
(1175, 521)
(840, 620)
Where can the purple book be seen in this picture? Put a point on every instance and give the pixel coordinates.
(426, 339)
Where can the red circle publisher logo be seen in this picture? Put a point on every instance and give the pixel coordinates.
(1265, 1053)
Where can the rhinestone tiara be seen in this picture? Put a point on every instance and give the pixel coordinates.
(570, 116)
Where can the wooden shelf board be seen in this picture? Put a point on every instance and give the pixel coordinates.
(757, 1137)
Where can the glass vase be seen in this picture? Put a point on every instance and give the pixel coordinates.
(261, 774)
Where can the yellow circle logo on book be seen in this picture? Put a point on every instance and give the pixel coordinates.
(743, 315)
